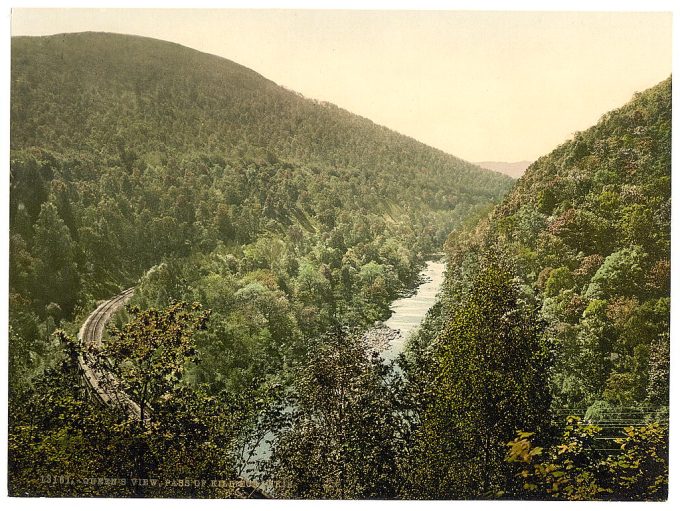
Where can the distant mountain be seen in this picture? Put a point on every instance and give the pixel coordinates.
(513, 169)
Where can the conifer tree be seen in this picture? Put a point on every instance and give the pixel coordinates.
(490, 379)
(56, 278)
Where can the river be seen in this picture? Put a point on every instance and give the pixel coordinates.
(407, 313)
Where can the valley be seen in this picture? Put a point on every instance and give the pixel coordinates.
(262, 236)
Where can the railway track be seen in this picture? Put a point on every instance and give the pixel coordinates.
(105, 387)
(103, 384)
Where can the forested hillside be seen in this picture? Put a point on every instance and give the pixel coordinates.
(128, 153)
(588, 232)
(137, 162)
(263, 233)
(557, 307)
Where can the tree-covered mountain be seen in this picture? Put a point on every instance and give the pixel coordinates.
(137, 162)
(133, 101)
(264, 232)
(588, 229)
(128, 151)
(578, 255)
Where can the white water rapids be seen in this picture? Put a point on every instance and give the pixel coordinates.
(407, 313)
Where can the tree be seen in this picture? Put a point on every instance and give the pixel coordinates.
(151, 352)
(341, 433)
(489, 376)
(56, 277)
(659, 371)
(56, 429)
(189, 434)
(574, 469)
(559, 279)
(620, 274)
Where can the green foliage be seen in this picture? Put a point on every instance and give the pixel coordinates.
(62, 443)
(587, 231)
(122, 101)
(151, 352)
(640, 472)
(620, 274)
(287, 218)
(488, 380)
(659, 371)
(559, 279)
(55, 273)
(149, 153)
(573, 469)
(341, 425)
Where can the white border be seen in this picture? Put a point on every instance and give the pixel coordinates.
(475, 5)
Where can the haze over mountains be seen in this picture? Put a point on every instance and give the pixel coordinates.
(512, 169)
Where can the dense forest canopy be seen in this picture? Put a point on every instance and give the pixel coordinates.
(579, 252)
(128, 153)
(265, 232)
(587, 229)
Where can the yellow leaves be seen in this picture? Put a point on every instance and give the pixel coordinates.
(571, 471)
(536, 451)
(520, 451)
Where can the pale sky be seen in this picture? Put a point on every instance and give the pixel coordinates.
(503, 86)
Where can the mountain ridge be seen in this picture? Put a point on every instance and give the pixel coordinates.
(587, 232)
(116, 47)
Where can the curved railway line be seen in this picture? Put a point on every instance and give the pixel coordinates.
(104, 386)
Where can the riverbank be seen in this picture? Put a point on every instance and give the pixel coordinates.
(408, 312)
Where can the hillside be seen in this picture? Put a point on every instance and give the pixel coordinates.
(129, 152)
(217, 195)
(587, 229)
(553, 328)
(263, 234)
(120, 97)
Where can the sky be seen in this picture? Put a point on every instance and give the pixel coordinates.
(484, 86)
